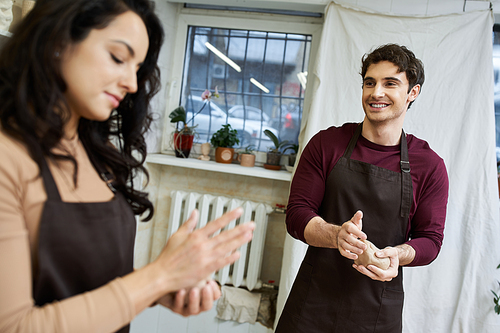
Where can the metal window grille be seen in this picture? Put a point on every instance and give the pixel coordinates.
(277, 61)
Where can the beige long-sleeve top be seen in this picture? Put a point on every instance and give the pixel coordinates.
(22, 196)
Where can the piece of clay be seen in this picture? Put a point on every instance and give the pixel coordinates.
(368, 257)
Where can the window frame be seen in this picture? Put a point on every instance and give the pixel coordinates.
(230, 20)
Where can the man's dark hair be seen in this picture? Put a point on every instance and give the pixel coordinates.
(400, 56)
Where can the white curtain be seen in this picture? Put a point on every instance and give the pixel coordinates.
(454, 114)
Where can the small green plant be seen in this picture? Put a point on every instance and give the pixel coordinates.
(225, 137)
(294, 147)
(496, 299)
(249, 150)
(178, 116)
(277, 143)
(293, 156)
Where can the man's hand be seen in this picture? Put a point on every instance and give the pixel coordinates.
(400, 255)
(349, 235)
(378, 274)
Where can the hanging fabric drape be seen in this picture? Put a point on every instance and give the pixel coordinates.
(454, 114)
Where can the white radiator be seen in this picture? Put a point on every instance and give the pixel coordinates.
(246, 270)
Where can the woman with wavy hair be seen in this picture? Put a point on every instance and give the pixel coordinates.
(76, 80)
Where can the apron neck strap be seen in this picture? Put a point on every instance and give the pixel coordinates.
(49, 183)
(406, 184)
(352, 142)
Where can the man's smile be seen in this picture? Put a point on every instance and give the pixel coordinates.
(378, 105)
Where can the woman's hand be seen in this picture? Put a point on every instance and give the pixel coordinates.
(191, 255)
(195, 301)
(188, 258)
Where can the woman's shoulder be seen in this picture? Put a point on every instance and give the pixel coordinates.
(11, 147)
(16, 162)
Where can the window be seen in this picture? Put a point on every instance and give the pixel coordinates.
(272, 50)
(261, 82)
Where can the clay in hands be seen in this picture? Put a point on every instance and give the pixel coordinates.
(368, 257)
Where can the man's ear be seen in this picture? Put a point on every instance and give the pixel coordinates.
(412, 95)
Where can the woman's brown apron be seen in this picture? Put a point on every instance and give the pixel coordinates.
(328, 294)
(82, 246)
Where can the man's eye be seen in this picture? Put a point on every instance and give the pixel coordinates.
(115, 59)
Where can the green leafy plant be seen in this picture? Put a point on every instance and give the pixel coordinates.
(293, 156)
(496, 299)
(294, 147)
(277, 143)
(249, 150)
(179, 116)
(225, 137)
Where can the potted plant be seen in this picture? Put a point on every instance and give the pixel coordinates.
(247, 157)
(224, 140)
(293, 156)
(496, 299)
(183, 137)
(274, 154)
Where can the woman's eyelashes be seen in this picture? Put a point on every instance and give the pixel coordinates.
(115, 59)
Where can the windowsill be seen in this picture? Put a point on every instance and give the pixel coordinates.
(213, 166)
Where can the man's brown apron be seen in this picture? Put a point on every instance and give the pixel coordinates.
(82, 246)
(328, 294)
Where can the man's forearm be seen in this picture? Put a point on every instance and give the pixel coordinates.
(406, 254)
(319, 233)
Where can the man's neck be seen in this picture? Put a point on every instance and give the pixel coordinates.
(382, 134)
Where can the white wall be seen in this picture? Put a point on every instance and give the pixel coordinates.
(168, 13)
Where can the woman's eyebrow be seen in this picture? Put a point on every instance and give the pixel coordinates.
(129, 48)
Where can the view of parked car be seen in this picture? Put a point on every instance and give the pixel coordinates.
(288, 124)
(211, 118)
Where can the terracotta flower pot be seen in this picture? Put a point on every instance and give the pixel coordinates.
(246, 160)
(224, 155)
(183, 144)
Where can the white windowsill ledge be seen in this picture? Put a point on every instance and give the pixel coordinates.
(213, 166)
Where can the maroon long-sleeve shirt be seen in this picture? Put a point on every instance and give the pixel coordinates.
(429, 178)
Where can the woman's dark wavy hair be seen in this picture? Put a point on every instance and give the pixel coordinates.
(32, 89)
(400, 56)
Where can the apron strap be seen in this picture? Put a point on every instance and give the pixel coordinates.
(49, 183)
(352, 142)
(406, 184)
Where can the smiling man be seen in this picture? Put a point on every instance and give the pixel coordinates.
(367, 181)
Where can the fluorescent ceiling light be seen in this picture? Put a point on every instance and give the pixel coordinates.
(302, 76)
(259, 85)
(223, 57)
